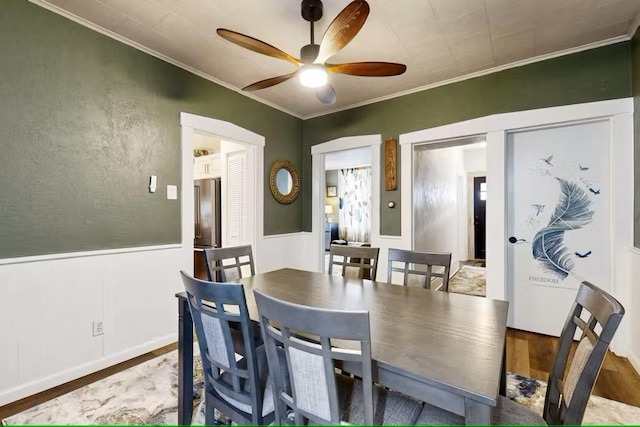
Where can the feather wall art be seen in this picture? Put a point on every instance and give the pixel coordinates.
(572, 212)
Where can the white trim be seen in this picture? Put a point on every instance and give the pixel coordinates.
(634, 26)
(488, 71)
(142, 48)
(390, 237)
(618, 112)
(318, 153)
(634, 250)
(58, 378)
(519, 120)
(635, 362)
(539, 58)
(278, 236)
(227, 131)
(49, 257)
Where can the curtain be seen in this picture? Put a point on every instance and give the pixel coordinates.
(354, 218)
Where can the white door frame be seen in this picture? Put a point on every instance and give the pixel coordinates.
(227, 131)
(318, 153)
(620, 114)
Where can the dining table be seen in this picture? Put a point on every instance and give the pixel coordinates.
(443, 348)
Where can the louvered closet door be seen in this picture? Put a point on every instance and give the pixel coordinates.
(238, 193)
(559, 226)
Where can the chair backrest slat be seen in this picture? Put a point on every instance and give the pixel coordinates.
(226, 264)
(216, 308)
(362, 258)
(427, 260)
(567, 395)
(307, 336)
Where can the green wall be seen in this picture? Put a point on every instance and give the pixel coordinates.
(85, 120)
(592, 75)
(635, 83)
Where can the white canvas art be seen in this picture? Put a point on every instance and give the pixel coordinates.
(559, 208)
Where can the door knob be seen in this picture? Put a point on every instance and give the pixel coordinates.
(513, 239)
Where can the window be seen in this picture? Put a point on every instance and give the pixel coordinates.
(483, 191)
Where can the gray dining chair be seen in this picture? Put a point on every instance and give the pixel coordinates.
(355, 261)
(227, 264)
(240, 389)
(316, 391)
(567, 395)
(418, 267)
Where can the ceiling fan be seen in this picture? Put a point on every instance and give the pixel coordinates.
(312, 65)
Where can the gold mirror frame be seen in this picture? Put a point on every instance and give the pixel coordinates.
(285, 199)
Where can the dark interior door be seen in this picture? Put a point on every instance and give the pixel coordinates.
(479, 216)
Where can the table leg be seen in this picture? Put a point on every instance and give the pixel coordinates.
(185, 362)
(476, 412)
(503, 371)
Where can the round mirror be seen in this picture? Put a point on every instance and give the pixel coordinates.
(284, 181)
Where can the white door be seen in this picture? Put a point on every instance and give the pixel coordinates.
(238, 196)
(558, 220)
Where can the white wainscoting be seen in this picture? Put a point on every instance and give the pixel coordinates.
(50, 302)
(634, 351)
(49, 306)
(294, 250)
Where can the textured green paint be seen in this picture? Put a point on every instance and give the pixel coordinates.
(635, 83)
(84, 122)
(592, 75)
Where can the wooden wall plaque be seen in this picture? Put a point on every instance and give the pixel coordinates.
(390, 164)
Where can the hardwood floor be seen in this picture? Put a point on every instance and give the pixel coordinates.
(527, 354)
(532, 355)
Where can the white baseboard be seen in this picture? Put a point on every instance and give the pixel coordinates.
(635, 362)
(25, 390)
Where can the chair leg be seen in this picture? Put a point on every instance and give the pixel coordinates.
(209, 414)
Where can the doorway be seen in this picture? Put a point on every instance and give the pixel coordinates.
(479, 217)
(448, 215)
(319, 153)
(251, 147)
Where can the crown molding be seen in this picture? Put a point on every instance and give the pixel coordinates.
(632, 29)
(634, 26)
(516, 64)
(118, 37)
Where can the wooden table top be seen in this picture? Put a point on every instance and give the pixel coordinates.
(450, 340)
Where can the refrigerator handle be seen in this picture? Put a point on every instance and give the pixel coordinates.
(196, 201)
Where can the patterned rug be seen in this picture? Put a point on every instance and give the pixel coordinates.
(469, 280)
(148, 394)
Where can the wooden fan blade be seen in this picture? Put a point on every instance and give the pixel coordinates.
(370, 69)
(326, 94)
(343, 29)
(256, 45)
(263, 84)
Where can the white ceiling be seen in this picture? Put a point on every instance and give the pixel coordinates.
(438, 40)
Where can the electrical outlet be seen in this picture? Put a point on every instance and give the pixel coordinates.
(97, 328)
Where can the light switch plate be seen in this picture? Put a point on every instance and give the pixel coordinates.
(172, 192)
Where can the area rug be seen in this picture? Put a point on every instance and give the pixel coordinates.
(148, 394)
(469, 280)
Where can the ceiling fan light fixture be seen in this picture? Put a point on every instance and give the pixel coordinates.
(313, 76)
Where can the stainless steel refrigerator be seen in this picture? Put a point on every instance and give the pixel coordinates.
(207, 211)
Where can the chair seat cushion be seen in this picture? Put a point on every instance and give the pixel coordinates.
(389, 407)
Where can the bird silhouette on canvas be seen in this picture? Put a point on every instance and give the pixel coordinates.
(548, 160)
(584, 255)
(538, 208)
(583, 168)
(594, 191)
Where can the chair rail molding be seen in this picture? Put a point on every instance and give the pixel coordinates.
(619, 113)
